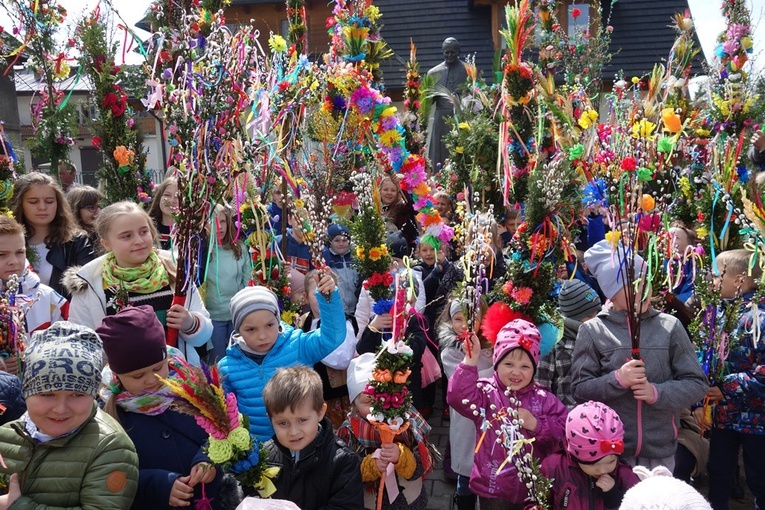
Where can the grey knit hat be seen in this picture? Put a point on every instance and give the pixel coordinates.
(605, 262)
(252, 299)
(64, 357)
(578, 300)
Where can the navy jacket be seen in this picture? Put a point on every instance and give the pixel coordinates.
(11, 398)
(168, 445)
(327, 475)
(76, 252)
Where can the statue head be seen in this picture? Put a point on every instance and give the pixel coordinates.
(451, 50)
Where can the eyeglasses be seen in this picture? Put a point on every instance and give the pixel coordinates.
(92, 208)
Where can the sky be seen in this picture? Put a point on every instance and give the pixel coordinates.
(708, 21)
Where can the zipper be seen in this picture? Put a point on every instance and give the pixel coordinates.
(591, 495)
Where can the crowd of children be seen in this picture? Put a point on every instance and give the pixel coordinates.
(99, 431)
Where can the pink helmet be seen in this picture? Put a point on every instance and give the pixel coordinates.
(514, 334)
(593, 430)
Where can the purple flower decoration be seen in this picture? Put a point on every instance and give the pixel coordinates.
(363, 99)
(338, 103)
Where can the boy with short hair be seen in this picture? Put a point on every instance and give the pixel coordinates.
(43, 305)
(739, 413)
(65, 452)
(261, 344)
(647, 393)
(316, 469)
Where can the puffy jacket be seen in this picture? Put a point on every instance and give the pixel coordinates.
(93, 468)
(327, 476)
(88, 303)
(603, 346)
(550, 413)
(572, 489)
(246, 378)
(76, 252)
(168, 446)
(11, 398)
(347, 277)
(743, 408)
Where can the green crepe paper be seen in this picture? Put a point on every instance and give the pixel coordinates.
(576, 152)
(644, 174)
(665, 144)
(431, 240)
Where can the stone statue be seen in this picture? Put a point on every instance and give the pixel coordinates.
(450, 74)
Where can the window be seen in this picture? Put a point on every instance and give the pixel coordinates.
(578, 18)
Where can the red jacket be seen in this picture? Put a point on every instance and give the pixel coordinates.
(574, 490)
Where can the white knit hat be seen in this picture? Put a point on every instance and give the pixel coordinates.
(359, 373)
(605, 262)
(661, 491)
(252, 299)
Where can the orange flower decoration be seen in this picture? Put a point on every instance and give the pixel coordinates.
(382, 376)
(375, 254)
(123, 155)
(647, 203)
(401, 377)
(672, 122)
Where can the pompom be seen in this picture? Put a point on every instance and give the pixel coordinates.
(497, 316)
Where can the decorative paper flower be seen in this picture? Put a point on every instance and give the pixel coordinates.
(277, 43)
(588, 118)
(647, 203)
(123, 155)
(219, 451)
(628, 164)
(240, 438)
(522, 295)
(672, 122)
(643, 129)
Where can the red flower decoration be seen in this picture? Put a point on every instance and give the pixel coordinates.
(576, 12)
(96, 142)
(628, 164)
(525, 342)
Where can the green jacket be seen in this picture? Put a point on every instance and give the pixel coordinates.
(96, 467)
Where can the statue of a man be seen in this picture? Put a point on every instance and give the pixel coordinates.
(451, 73)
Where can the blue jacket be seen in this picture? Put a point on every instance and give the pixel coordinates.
(247, 378)
(743, 408)
(347, 277)
(168, 445)
(11, 398)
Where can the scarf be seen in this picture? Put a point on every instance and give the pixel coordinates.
(150, 404)
(147, 278)
(416, 436)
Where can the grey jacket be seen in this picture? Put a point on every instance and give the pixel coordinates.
(603, 346)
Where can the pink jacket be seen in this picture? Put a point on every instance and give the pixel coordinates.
(573, 489)
(546, 408)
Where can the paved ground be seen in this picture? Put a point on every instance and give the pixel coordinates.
(441, 491)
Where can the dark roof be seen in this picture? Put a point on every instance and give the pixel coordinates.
(428, 23)
(643, 36)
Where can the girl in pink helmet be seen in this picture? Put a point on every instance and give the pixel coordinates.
(590, 474)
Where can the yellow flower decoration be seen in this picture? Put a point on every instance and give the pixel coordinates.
(384, 250)
(372, 12)
(459, 150)
(464, 125)
(375, 254)
(359, 252)
(390, 138)
(299, 203)
(288, 317)
(219, 451)
(643, 129)
(63, 71)
(277, 43)
(613, 237)
(685, 187)
(240, 438)
(587, 118)
(702, 232)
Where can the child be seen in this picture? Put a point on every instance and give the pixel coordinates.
(261, 344)
(590, 473)
(85, 203)
(51, 230)
(739, 414)
(275, 210)
(338, 258)
(228, 271)
(331, 369)
(316, 469)
(516, 354)
(65, 452)
(134, 272)
(451, 330)
(172, 467)
(648, 393)
(43, 305)
(398, 210)
(577, 303)
(163, 206)
(409, 453)
(298, 254)
(444, 206)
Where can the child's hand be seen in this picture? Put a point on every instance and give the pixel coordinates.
(529, 421)
(643, 391)
(472, 354)
(632, 372)
(382, 321)
(202, 472)
(605, 482)
(381, 466)
(179, 318)
(390, 453)
(181, 493)
(714, 394)
(325, 283)
(14, 492)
